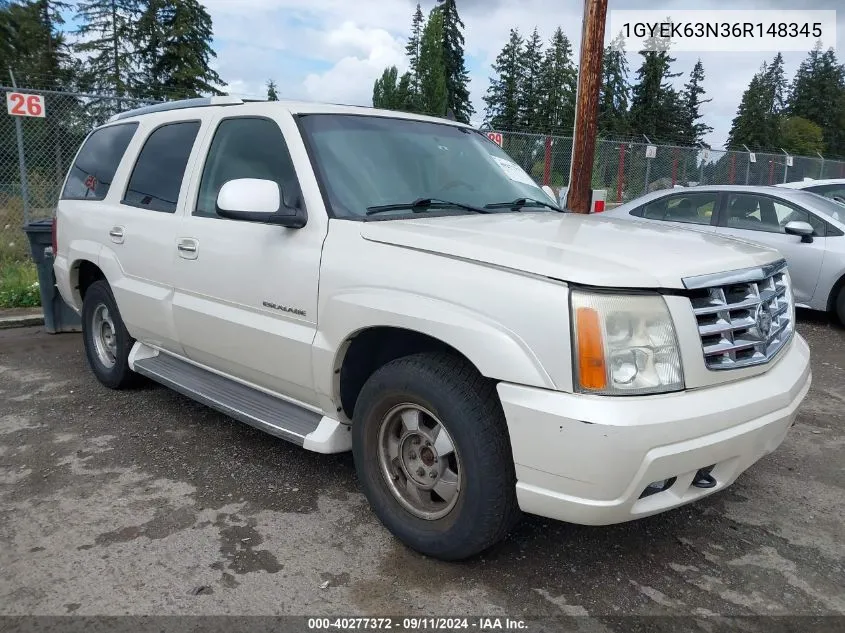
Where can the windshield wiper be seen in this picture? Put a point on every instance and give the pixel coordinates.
(421, 205)
(519, 203)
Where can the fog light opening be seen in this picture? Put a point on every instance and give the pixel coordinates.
(703, 478)
(658, 486)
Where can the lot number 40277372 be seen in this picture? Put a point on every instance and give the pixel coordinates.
(21, 104)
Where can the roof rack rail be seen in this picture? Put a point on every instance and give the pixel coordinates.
(178, 105)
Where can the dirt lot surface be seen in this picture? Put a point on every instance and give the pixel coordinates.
(143, 502)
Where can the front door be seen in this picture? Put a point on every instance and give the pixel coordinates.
(761, 218)
(245, 299)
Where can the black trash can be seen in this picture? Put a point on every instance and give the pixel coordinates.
(58, 316)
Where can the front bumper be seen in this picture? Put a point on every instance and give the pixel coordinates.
(587, 459)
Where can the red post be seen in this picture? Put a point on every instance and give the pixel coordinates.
(547, 170)
(674, 166)
(620, 174)
(733, 169)
(771, 171)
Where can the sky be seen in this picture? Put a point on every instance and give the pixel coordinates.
(333, 50)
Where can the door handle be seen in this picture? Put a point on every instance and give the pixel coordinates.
(187, 248)
(116, 234)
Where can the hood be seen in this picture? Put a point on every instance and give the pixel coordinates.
(585, 249)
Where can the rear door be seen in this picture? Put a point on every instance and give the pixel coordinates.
(690, 209)
(139, 234)
(761, 218)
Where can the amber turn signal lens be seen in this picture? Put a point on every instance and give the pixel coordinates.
(591, 368)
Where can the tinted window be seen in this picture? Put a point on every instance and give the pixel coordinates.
(761, 213)
(91, 174)
(157, 177)
(246, 148)
(689, 208)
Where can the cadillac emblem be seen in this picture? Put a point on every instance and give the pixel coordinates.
(763, 320)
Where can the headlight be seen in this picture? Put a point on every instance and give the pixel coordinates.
(624, 344)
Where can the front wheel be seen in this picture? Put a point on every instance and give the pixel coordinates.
(433, 455)
(840, 306)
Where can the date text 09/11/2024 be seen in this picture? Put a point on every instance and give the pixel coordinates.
(417, 624)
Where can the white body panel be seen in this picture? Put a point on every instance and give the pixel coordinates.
(275, 308)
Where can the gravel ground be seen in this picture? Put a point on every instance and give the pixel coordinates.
(143, 502)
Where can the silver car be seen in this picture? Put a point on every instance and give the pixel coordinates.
(807, 228)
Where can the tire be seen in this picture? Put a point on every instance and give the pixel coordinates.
(444, 389)
(106, 338)
(839, 306)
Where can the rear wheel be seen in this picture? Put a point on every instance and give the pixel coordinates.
(433, 455)
(107, 343)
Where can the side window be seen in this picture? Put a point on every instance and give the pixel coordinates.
(93, 170)
(246, 147)
(689, 208)
(157, 176)
(761, 213)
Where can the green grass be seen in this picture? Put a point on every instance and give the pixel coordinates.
(19, 285)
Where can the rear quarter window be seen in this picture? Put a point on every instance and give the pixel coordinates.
(93, 170)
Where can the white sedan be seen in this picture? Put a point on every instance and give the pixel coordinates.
(807, 228)
(833, 188)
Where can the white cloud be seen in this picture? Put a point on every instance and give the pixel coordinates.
(351, 79)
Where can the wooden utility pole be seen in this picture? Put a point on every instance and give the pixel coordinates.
(587, 105)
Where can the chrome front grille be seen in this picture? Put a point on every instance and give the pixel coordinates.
(744, 317)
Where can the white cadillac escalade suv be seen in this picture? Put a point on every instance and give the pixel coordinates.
(392, 284)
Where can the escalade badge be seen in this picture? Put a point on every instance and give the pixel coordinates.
(276, 306)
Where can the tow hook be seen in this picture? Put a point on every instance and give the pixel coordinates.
(703, 478)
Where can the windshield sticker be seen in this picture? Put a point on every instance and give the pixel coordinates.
(514, 171)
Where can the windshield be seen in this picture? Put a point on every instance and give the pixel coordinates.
(826, 206)
(366, 162)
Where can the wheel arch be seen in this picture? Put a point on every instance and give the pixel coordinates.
(422, 325)
(834, 293)
(83, 273)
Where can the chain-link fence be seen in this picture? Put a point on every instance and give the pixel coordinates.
(30, 181)
(629, 169)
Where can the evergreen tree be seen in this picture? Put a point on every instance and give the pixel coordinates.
(751, 125)
(406, 98)
(558, 85)
(412, 49)
(502, 98)
(692, 130)
(55, 59)
(433, 97)
(107, 29)
(818, 95)
(179, 60)
(615, 91)
(457, 77)
(531, 91)
(385, 89)
(655, 105)
(272, 95)
(776, 85)
(32, 44)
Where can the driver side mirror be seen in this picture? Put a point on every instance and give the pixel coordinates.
(257, 200)
(802, 229)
